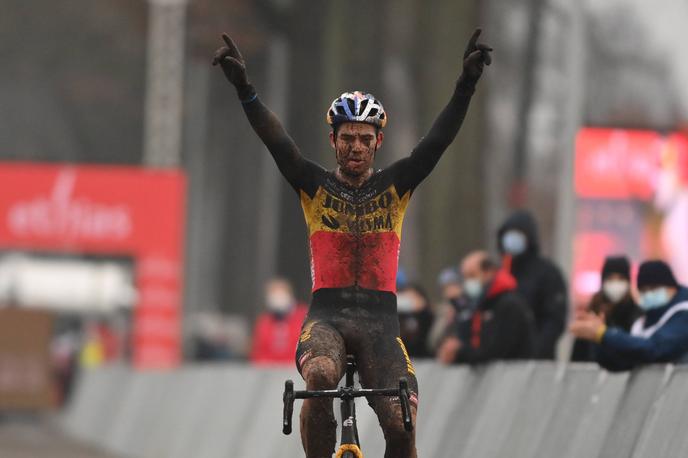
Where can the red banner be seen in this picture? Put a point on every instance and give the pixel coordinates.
(632, 189)
(108, 210)
(617, 164)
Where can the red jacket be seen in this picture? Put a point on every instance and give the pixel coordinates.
(274, 339)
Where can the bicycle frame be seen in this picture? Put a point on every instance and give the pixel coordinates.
(348, 394)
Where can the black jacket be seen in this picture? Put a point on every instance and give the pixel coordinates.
(621, 315)
(501, 326)
(541, 284)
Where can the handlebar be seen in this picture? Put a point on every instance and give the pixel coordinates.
(345, 393)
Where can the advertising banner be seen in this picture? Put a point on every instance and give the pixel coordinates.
(108, 211)
(632, 199)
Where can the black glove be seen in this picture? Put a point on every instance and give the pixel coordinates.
(232, 63)
(476, 56)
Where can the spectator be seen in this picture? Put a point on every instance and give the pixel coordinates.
(614, 301)
(277, 330)
(449, 282)
(96, 345)
(501, 326)
(540, 282)
(210, 341)
(415, 320)
(661, 336)
(452, 305)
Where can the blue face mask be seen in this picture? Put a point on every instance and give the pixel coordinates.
(514, 242)
(654, 299)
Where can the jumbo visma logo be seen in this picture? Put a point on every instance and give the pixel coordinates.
(373, 215)
(383, 212)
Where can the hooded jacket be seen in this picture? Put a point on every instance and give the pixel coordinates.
(501, 327)
(661, 336)
(541, 284)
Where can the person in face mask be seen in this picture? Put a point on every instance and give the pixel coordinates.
(660, 336)
(277, 329)
(415, 319)
(540, 281)
(614, 301)
(501, 326)
(453, 307)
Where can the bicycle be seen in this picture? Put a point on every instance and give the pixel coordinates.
(350, 444)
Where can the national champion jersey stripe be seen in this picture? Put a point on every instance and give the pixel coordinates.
(354, 243)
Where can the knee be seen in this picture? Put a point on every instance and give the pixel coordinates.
(321, 373)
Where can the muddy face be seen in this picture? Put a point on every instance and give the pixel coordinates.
(355, 145)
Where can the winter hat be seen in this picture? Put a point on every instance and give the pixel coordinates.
(616, 265)
(448, 276)
(656, 273)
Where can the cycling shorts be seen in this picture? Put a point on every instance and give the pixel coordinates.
(362, 323)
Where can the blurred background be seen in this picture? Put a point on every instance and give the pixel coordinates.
(142, 222)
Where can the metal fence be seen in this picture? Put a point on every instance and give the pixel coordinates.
(528, 409)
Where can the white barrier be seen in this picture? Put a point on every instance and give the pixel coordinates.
(528, 409)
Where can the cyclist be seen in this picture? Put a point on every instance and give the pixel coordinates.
(354, 216)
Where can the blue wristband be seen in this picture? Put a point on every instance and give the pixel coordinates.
(253, 97)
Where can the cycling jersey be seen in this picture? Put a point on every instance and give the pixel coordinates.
(354, 233)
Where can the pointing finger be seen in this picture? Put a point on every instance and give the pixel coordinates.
(474, 38)
(470, 47)
(234, 51)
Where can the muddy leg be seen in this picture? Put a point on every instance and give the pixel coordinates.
(318, 426)
(400, 443)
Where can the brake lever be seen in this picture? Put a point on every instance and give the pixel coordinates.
(405, 407)
(288, 400)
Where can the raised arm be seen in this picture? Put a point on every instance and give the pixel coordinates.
(427, 153)
(264, 122)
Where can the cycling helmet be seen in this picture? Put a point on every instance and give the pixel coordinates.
(356, 107)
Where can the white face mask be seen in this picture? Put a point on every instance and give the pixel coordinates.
(615, 290)
(473, 287)
(654, 298)
(405, 303)
(279, 301)
(514, 242)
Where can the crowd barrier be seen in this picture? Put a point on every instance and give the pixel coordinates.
(525, 409)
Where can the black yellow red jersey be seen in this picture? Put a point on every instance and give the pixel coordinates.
(354, 233)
